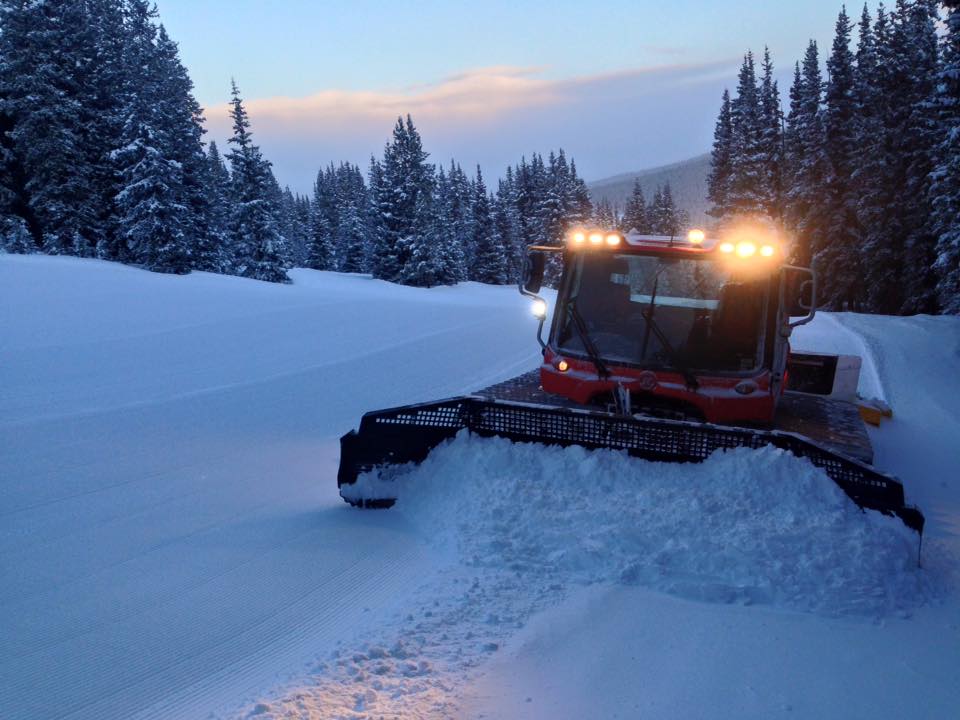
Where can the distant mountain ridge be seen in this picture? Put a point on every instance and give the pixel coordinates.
(687, 178)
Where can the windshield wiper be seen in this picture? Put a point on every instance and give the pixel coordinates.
(675, 364)
(581, 327)
(692, 382)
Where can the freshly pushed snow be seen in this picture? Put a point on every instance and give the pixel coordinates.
(744, 526)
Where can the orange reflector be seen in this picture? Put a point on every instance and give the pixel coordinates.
(562, 366)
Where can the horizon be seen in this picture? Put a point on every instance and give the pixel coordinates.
(488, 98)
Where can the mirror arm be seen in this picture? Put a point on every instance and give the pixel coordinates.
(535, 298)
(812, 308)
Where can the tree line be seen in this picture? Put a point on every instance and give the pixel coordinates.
(102, 155)
(863, 170)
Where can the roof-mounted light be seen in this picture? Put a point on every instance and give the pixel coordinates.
(746, 249)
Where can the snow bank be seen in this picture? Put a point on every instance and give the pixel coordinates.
(743, 527)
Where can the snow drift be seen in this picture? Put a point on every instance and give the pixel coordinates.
(744, 526)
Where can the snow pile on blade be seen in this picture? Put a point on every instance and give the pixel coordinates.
(745, 526)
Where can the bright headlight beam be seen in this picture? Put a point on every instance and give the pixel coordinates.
(696, 236)
(613, 240)
(746, 249)
(596, 238)
(767, 250)
(726, 247)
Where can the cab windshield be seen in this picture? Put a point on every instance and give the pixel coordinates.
(662, 313)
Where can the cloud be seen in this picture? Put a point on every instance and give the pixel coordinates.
(490, 115)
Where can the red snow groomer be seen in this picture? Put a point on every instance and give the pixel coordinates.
(668, 348)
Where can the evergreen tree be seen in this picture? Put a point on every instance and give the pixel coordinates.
(945, 178)
(260, 248)
(489, 264)
(507, 225)
(152, 216)
(635, 212)
(876, 177)
(721, 161)
(184, 133)
(46, 52)
(805, 160)
(320, 245)
(917, 22)
(664, 217)
(425, 265)
(352, 226)
(406, 176)
(838, 257)
(771, 140)
(219, 255)
(747, 192)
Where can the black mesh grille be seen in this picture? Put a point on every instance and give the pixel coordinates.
(408, 434)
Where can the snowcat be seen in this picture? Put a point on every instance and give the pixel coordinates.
(669, 348)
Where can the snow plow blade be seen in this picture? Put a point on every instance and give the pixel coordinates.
(407, 435)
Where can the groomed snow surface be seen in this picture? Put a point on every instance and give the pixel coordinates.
(172, 543)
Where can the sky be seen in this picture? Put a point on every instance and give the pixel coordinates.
(620, 85)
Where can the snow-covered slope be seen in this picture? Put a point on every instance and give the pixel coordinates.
(172, 544)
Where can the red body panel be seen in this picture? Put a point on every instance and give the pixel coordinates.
(716, 398)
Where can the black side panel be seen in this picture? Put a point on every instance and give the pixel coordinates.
(811, 373)
(408, 434)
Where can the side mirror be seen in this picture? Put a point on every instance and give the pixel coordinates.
(800, 297)
(799, 294)
(533, 269)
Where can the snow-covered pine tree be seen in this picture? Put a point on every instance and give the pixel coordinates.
(14, 236)
(664, 217)
(721, 161)
(945, 178)
(837, 258)
(635, 212)
(578, 206)
(321, 253)
(506, 219)
(260, 248)
(771, 139)
(46, 52)
(405, 176)
(605, 215)
(917, 21)
(184, 137)
(425, 265)
(153, 218)
(219, 255)
(489, 260)
(352, 223)
(105, 108)
(747, 193)
(460, 214)
(446, 230)
(804, 210)
(552, 206)
(876, 175)
(15, 213)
